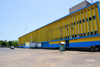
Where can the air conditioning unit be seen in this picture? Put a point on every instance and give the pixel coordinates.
(70, 37)
(78, 36)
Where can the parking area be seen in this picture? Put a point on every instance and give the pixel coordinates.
(47, 58)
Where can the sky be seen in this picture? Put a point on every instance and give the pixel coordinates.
(19, 17)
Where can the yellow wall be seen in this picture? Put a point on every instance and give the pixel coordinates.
(85, 39)
(27, 42)
(56, 42)
(57, 30)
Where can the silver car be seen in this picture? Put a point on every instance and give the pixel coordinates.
(12, 47)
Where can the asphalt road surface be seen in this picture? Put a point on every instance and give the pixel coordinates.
(47, 58)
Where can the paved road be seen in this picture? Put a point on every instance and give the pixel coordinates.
(47, 58)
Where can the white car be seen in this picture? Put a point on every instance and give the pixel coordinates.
(12, 47)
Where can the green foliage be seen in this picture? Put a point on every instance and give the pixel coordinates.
(15, 43)
(9, 43)
(4, 44)
(0, 43)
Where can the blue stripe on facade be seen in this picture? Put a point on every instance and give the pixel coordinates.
(21, 46)
(47, 45)
(84, 44)
(27, 47)
(78, 44)
(54, 45)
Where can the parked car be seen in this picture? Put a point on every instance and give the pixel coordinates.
(12, 47)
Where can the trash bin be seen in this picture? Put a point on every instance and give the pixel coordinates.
(62, 46)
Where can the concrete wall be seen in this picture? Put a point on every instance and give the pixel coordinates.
(78, 6)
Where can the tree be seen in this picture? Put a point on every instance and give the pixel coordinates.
(10, 43)
(4, 44)
(0, 43)
(7, 43)
(15, 43)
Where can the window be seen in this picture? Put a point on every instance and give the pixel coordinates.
(91, 33)
(71, 27)
(75, 35)
(90, 18)
(96, 32)
(86, 19)
(83, 20)
(94, 17)
(81, 35)
(74, 23)
(72, 36)
(84, 34)
(61, 27)
(65, 26)
(80, 21)
(77, 22)
(88, 33)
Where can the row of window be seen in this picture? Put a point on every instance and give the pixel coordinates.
(80, 35)
(80, 21)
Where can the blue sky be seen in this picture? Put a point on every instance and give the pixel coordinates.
(18, 17)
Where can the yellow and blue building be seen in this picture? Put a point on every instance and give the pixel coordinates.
(78, 29)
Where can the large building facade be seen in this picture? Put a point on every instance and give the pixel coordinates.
(80, 28)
